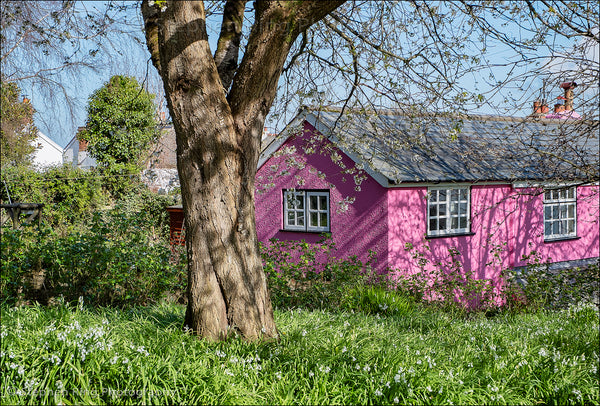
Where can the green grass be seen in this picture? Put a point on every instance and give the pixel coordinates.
(67, 355)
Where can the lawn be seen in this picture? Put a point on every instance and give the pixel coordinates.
(417, 355)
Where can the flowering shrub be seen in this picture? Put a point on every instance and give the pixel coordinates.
(446, 284)
(302, 274)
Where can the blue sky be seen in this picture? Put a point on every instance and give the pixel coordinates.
(130, 57)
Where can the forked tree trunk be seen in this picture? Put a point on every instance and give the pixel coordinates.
(218, 144)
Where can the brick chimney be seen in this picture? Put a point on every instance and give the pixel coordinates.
(568, 97)
(539, 108)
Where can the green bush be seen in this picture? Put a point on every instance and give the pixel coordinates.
(446, 284)
(308, 275)
(539, 285)
(70, 195)
(112, 262)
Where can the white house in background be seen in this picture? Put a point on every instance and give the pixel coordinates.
(76, 154)
(47, 152)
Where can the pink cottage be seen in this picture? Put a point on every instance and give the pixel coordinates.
(492, 190)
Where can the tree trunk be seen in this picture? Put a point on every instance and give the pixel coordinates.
(218, 144)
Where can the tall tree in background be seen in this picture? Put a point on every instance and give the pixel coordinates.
(17, 132)
(121, 123)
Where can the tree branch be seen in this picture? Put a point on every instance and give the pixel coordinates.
(228, 46)
(151, 16)
(276, 27)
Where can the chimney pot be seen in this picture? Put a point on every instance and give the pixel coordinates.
(568, 85)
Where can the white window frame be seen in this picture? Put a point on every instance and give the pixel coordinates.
(304, 210)
(556, 216)
(453, 210)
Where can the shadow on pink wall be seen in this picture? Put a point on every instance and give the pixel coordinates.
(356, 227)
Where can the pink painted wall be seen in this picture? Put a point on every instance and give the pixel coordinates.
(529, 228)
(505, 223)
(361, 227)
(490, 227)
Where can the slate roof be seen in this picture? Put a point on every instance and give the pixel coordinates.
(434, 148)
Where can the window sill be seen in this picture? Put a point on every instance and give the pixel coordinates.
(431, 237)
(558, 239)
(283, 230)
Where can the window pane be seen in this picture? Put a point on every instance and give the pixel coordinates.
(442, 195)
(314, 219)
(556, 227)
(433, 210)
(433, 225)
(463, 194)
(463, 209)
(453, 208)
(300, 202)
(291, 218)
(571, 226)
(547, 212)
(547, 195)
(442, 209)
(563, 211)
(555, 214)
(571, 193)
(323, 219)
(433, 195)
(547, 228)
(454, 223)
(463, 222)
(454, 194)
(554, 194)
(571, 211)
(322, 202)
(442, 224)
(300, 219)
(313, 203)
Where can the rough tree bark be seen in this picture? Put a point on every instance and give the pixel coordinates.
(218, 144)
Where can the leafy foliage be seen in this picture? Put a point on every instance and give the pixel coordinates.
(112, 262)
(17, 131)
(301, 274)
(539, 285)
(69, 195)
(121, 123)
